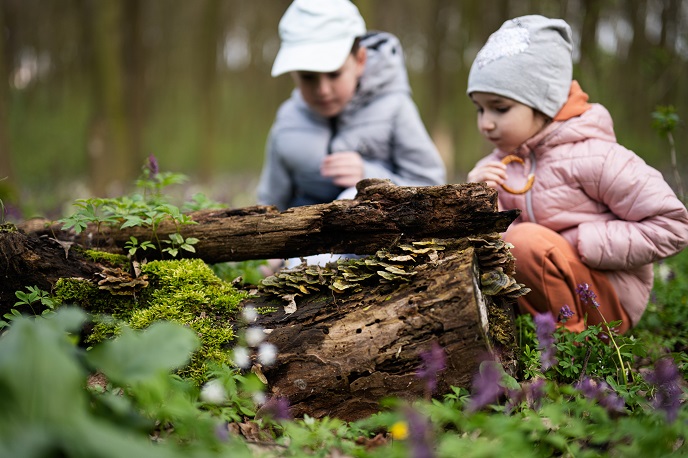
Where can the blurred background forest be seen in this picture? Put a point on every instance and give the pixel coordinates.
(90, 88)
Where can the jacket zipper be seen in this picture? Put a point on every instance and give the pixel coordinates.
(333, 133)
(529, 195)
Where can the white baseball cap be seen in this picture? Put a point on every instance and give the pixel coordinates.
(317, 35)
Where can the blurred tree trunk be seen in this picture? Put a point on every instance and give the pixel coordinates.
(670, 77)
(7, 185)
(367, 10)
(636, 88)
(671, 10)
(589, 56)
(440, 82)
(209, 37)
(437, 37)
(108, 143)
(135, 58)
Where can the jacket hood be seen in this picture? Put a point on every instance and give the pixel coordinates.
(385, 68)
(384, 73)
(595, 123)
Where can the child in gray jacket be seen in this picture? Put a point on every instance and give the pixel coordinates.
(351, 115)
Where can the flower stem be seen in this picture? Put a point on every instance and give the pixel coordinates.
(622, 366)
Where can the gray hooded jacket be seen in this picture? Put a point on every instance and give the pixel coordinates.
(381, 122)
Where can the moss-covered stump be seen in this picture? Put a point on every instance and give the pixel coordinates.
(184, 291)
(345, 346)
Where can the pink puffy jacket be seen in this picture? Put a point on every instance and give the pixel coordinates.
(616, 210)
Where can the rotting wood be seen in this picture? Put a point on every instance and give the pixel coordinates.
(382, 214)
(340, 354)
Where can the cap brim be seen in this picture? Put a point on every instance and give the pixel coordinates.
(318, 57)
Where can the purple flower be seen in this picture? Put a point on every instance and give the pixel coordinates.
(434, 362)
(531, 393)
(222, 432)
(667, 379)
(565, 313)
(277, 408)
(419, 434)
(600, 392)
(586, 295)
(486, 386)
(152, 167)
(12, 212)
(544, 329)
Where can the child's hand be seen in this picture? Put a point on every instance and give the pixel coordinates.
(493, 173)
(344, 167)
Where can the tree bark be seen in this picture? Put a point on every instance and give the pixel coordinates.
(339, 356)
(36, 261)
(381, 215)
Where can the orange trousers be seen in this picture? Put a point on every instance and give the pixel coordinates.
(551, 267)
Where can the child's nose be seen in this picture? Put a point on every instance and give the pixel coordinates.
(486, 123)
(323, 86)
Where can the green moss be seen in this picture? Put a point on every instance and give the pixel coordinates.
(181, 273)
(104, 327)
(184, 291)
(81, 292)
(8, 227)
(216, 341)
(117, 260)
(266, 310)
(187, 291)
(143, 318)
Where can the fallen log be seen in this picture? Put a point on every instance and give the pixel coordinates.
(340, 354)
(382, 214)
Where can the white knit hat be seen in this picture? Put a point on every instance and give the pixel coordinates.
(317, 35)
(528, 60)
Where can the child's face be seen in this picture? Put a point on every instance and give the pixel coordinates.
(505, 122)
(329, 93)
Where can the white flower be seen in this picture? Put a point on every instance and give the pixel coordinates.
(241, 357)
(254, 336)
(664, 272)
(259, 398)
(250, 314)
(213, 392)
(267, 354)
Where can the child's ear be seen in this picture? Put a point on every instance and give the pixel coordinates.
(361, 58)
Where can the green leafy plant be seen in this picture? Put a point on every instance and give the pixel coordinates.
(34, 296)
(147, 209)
(46, 411)
(230, 395)
(579, 354)
(178, 242)
(96, 211)
(133, 245)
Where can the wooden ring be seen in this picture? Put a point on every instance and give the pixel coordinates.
(531, 178)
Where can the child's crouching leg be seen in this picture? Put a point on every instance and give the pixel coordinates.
(549, 265)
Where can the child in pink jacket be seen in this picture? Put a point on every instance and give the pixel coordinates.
(593, 213)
